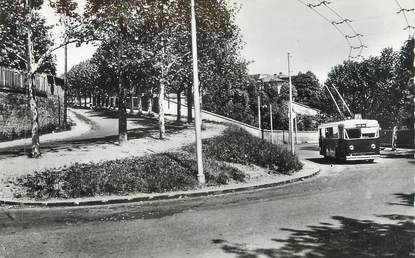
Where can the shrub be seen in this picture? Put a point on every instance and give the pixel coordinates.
(238, 146)
(154, 173)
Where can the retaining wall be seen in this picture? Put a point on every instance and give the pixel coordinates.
(15, 117)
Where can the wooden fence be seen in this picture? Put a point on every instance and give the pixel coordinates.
(14, 79)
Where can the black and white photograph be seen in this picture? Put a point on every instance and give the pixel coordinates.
(207, 128)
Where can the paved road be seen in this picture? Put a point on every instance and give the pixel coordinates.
(349, 210)
(104, 130)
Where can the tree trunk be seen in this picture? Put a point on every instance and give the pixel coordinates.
(150, 103)
(94, 101)
(98, 100)
(139, 103)
(162, 127)
(179, 106)
(189, 103)
(79, 99)
(132, 102)
(29, 81)
(59, 111)
(35, 118)
(85, 100)
(122, 112)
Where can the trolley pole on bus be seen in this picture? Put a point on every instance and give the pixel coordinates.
(198, 129)
(290, 106)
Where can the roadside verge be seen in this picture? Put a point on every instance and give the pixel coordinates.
(308, 171)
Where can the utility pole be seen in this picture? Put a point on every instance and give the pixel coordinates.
(259, 116)
(198, 129)
(413, 83)
(270, 115)
(291, 106)
(65, 88)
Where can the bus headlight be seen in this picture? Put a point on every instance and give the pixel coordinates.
(351, 147)
(373, 146)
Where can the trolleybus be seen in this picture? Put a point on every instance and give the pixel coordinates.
(354, 139)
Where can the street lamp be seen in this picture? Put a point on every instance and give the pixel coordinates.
(198, 129)
(259, 113)
(291, 106)
(259, 110)
(270, 118)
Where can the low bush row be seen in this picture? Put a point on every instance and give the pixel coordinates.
(238, 146)
(154, 173)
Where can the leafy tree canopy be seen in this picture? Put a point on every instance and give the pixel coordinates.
(377, 87)
(13, 36)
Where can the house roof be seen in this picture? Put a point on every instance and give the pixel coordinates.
(268, 77)
(302, 109)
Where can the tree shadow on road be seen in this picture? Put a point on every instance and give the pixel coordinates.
(405, 199)
(82, 144)
(352, 238)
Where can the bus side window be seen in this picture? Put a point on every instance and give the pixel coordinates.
(341, 132)
(335, 132)
(329, 132)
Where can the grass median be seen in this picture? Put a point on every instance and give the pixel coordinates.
(158, 173)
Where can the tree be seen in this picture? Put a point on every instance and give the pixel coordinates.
(21, 30)
(405, 85)
(308, 88)
(116, 22)
(14, 22)
(376, 87)
(26, 46)
(224, 79)
(167, 23)
(156, 46)
(82, 79)
(69, 21)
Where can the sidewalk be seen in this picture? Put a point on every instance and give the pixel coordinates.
(398, 153)
(262, 182)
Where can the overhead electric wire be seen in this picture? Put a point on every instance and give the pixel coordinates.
(348, 23)
(335, 25)
(404, 11)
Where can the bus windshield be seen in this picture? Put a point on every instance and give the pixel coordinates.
(357, 133)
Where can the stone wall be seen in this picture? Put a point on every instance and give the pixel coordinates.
(15, 113)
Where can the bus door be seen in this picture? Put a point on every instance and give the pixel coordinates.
(342, 142)
(331, 141)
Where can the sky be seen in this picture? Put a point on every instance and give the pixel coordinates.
(272, 28)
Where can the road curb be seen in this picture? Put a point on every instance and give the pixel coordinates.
(157, 197)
